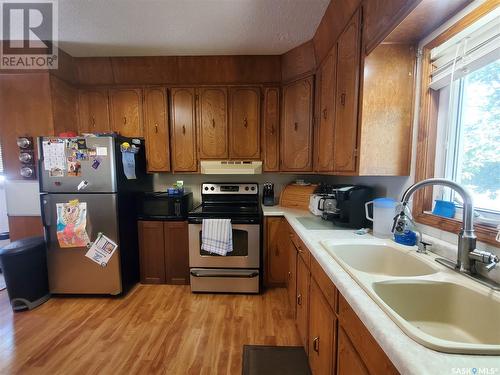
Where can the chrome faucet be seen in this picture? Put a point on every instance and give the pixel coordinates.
(467, 255)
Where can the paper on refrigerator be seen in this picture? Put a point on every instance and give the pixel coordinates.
(72, 224)
(101, 250)
(54, 156)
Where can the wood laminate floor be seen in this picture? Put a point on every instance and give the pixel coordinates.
(155, 329)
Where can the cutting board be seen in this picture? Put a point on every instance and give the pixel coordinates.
(297, 196)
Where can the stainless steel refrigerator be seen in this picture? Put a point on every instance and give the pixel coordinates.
(91, 170)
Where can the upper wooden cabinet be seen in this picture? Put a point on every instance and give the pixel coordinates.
(156, 130)
(347, 96)
(244, 123)
(296, 126)
(212, 123)
(325, 126)
(93, 111)
(270, 130)
(126, 112)
(183, 130)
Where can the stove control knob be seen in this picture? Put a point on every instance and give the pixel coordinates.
(246, 188)
(212, 188)
(206, 188)
(253, 188)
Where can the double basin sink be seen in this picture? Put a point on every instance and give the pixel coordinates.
(436, 307)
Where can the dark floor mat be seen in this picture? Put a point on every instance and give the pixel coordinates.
(274, 360)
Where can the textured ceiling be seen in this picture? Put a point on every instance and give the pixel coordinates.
(186, 27)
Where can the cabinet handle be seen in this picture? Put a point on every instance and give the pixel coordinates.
(183, 129)
(124, 120)
(324, 113)
(156, 128)
(299, 299)
(289, 275)
(342, 99)
(296, 126)
(213, 123)
(316, 344)
(245, 123)
(272, 130)
(92, 121)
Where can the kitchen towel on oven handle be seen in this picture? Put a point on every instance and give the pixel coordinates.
(217, 236)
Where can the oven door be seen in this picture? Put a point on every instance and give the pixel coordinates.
(245, 254)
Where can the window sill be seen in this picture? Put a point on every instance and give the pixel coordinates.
(484, 233)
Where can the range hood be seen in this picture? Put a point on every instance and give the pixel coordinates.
(231, 167)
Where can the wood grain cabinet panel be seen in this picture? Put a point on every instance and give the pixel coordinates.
(126, 112)
(183, 130)
(302, 308)
(322, 323)
(151, 252)
(156, 126)
(276, 256)
(93, 111)
(348, 359)
(291, 284)
(347, 92)
(326, 122)
(270, 133)
(176, 252)
(244, 123)
(296, 126)
(212, 123)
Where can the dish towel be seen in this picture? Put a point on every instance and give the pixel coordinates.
(217, 236)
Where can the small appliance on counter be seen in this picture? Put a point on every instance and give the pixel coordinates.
(347, 207)
(268, 194)
(164, 206)
(323, 202)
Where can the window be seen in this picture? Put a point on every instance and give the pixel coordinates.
(459, 119)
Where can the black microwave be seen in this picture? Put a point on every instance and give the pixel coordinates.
(164, 206)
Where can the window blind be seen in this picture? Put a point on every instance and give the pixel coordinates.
(469, 50)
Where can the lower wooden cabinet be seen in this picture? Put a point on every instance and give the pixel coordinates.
(302, 300)
(322, 324)
(349, 361)
(276, 257)
(163, 252)
(291, 284)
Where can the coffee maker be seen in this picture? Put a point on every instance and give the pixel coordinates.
(268, 194)
(350, 207)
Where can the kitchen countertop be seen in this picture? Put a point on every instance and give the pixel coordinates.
(407, 355)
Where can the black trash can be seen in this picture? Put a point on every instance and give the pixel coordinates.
(24, 265)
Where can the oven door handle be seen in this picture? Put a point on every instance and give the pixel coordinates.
(217, 273)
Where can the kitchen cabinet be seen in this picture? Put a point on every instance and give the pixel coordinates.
(183, 129)
(126, 112)
(244, 123)
(151, 252)
(296, 126)
(156, 130)
(325, 129)
(347, 96)
(276, 257)
(270, 130)
(212, 123)
(93, 111)
(349, 361)
(163, 252)
(291, 284)
(302, 300)
(322, 324)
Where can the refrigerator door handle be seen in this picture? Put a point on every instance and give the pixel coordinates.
(45, 201)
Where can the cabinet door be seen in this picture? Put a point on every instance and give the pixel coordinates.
(176, 252)
(347, 91)
(276, 257)
(151, 252)
(348, 362)
(270, 133)
(156, 121)
(291, 284)
(212, 123)
(322, 324)
(126, 112)
(302, 316)
(296, 131)
(93, 110)
(326, 123)
(183, 131)
(244, 123)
